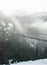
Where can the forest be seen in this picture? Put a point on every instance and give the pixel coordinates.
(21, 41)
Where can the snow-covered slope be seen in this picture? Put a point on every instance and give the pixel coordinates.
(36, 62)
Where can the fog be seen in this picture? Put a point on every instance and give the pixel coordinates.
(31, 25)
(37, 21)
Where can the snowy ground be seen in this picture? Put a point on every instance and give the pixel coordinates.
(36, 62)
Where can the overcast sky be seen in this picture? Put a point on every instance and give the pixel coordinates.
(25, 6)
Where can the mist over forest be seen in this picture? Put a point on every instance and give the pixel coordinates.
(23, 38)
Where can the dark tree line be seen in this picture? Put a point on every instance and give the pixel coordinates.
(19, 50)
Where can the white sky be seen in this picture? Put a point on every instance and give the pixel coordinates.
(28, 6)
